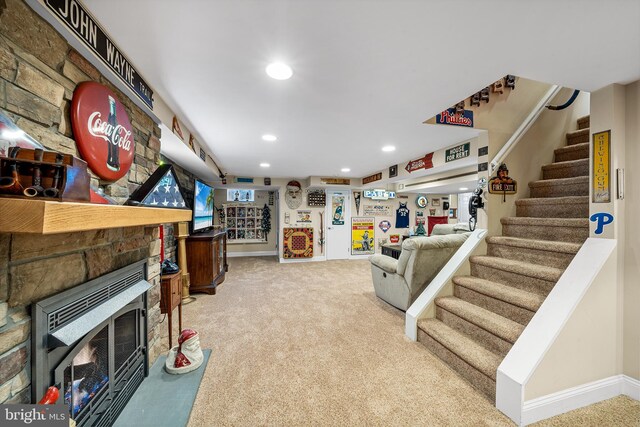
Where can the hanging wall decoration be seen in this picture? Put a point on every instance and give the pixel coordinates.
(372, 178)
(422, 201)
(402, 216)
(452, 117)
(502, 183)
(298, 243)
(362, 236)
(102, 130)
(266, 221)
(394, 238)
(393, 171)
(425, 162)
(376, 210)
(420, 219)
(191, 141)
(356, 197)
(304, 216)
(601, 166)
(293, 195)
(337, 207)
(175, 127)
(317, 198)
(384, 225)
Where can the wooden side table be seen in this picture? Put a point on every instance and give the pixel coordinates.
(170, 297)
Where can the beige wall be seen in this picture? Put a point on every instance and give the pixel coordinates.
(586, 348)
(261, 198)
(631, 257)
(534, 150)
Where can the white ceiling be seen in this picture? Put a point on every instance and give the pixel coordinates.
(366, 73)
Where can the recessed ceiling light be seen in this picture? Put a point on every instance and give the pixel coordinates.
(463, 188)
(264, 165)
(270, 138)
(388, 148)
(279, 71)
(345, 170)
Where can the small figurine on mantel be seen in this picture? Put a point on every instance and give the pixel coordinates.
(187, 356)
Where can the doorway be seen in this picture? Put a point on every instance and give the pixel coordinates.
(338, 215)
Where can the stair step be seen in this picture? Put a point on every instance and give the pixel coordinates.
(554, 207)
(560, 187)
(472, 361)
(584, 122)
(535, 278)
(543, 252)
(575, 230)
(578, 136)
(509, 302)
(572, 152)
(568, 169)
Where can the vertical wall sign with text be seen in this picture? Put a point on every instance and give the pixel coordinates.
(601, 167)
(86, 28)
(102, 130)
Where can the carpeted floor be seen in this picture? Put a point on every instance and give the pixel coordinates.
(310, 344)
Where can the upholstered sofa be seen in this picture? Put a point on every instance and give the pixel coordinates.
(399, 282)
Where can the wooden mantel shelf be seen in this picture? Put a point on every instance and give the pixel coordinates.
(50, 217)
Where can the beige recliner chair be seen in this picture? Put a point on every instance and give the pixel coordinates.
(399, 282)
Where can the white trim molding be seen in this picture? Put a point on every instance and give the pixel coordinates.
(578, 397)
(541, 333)
(255, 253)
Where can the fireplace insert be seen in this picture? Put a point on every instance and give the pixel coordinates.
(91, 342)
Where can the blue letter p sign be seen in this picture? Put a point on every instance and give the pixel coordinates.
(601, 219)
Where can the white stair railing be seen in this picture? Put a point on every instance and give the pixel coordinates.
(524, 127)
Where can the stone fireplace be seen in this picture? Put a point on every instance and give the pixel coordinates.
(34, 268)
(91, 342)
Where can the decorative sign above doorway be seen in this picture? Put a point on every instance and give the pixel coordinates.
(425, 162)
(336, 181)
(102, 130)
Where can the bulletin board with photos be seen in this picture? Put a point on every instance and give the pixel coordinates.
(244, 223)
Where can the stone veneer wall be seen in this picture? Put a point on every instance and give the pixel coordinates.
(38, 74)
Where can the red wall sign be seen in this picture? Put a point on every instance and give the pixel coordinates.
(424, 163)
(102, 131)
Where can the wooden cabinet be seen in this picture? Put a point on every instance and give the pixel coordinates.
(170, 298)
(207, 260)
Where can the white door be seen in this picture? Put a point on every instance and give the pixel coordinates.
(338, 224)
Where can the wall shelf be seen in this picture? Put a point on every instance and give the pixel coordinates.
(49, 217)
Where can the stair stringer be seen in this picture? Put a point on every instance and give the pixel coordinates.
(552, 355)
(441, 285)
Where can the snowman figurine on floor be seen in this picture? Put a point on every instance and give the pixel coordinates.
(187, 356)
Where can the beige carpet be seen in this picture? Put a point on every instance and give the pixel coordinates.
(310, 344)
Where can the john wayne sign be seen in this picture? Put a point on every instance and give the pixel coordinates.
(450, 117)
(86, 28)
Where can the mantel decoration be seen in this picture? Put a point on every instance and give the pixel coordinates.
(161, 190)
(102, 131)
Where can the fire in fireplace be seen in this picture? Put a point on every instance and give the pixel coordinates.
(90, 342)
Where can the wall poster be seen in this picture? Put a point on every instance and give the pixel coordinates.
(304, 216)
(376, 210)
(601, 167)
(362, 236)
(337, 207)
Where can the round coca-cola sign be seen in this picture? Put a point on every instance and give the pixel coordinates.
(102, 131)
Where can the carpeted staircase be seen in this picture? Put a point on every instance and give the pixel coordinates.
(475, 329)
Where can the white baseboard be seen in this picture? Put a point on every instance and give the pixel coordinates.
(577, 397)
(315, 258)
(256, 253)
(631, 387)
